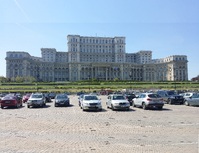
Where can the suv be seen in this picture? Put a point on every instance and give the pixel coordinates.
(36, 99)
(90, 102)
(171, 97)
(116, 101)
(148, 100)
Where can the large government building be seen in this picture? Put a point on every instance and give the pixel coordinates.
(102, 58)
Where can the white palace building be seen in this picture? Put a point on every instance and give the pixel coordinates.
(101, 58)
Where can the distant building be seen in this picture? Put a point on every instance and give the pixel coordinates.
(102, 58)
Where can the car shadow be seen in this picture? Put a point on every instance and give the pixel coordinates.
(123, 110)
(12, 107)
(39, 107)
(163, 109)
(96, 111)
(71, 105)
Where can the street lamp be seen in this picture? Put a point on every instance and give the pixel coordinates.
(89, 82)
(131, 77)
(175, 82)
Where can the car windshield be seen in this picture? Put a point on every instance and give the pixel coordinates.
(91, 98)
(171, 93)
(36, 96)
(62, 97)
(154, 96)
(195, 96)
(130, 96)
(118, 98)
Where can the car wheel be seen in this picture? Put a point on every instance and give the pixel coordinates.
(28, 106)
(112, 107)
(55, 105)
(17, 106)
(144, 106)
(170, 101)
(2, 107)
(107, 105)
(160, 107)
(186, 103)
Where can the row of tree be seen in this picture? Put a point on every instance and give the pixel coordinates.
(18, 79)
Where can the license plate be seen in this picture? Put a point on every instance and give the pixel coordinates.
(7, 102)
(93, 106)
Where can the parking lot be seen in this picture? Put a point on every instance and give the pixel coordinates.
(174, 129)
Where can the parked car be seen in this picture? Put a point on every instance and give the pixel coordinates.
(119, 102)
(80, 99)
(36, 99)
(188, 95)
(52, 95)
(11, 100)
(2, 95)
(62, 100)
(171, 97)
(130, 98)
(90, 102)
(26, 97)
(193, 100)
(47, 96)
(148, 100)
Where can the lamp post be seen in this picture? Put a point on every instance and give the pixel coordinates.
(175, 82)
(89, 82)
(131, 77)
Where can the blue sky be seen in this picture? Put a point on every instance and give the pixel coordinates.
(166, 27)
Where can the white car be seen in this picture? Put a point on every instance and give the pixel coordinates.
(193, 100)
(117, 101)
(90, 102)
(36, 99)
(148, 100)
(187, 95)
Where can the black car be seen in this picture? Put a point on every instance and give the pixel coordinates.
(47, 96)
(52, 95)
(171, 97)
(62, 100)
(130, 98)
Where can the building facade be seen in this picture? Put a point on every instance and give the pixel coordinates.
(101, 58)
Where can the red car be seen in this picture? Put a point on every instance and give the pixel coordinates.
(26, 97)
(11, 101)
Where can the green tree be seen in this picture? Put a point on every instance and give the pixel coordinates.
(3, 79)
(19, 79)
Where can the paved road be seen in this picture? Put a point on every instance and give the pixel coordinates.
(175, 129)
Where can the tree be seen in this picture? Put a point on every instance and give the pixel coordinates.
(3, 79)
(19, 79)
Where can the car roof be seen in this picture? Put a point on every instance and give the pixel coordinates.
(116, 95)
(89, 95)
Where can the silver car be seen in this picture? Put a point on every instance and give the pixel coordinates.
(36, 99)
(148, 100)
(193, 100)
(90, 102)
(117, 101)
